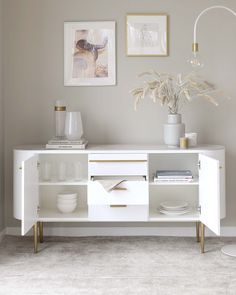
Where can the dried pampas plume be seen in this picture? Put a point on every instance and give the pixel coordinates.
(173, 91)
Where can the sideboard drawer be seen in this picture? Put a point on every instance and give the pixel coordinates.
(127, 193)
(118, 212)
(118, 164)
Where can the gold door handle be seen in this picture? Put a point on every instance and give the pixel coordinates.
(118, 206)
(119, 189)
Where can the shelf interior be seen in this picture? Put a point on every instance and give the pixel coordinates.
(173, 162)
(191, 216)
(69, 182)
(80, 214)
(158, 191)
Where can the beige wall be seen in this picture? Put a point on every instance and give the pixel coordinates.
(33, 77)
(2, 203)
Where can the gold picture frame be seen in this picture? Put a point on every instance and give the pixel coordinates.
(147, 34)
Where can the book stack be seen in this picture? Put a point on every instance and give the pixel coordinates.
(67, 144)
(173, 175)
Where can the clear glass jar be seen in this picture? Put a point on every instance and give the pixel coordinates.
(60, 117)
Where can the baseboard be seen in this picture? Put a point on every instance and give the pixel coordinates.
(2, 234)
(227, 231)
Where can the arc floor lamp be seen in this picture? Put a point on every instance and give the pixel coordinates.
(196, 62)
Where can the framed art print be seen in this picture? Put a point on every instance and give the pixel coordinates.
(89, 53)
(147, 34)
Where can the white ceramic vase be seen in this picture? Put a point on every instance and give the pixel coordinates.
(173, 130)
(73, 126)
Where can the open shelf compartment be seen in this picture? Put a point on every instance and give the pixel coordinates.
(48, 204)
(159, 194)
(183, 161)
(51, 171)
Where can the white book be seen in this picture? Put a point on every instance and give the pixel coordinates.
(173, 179)
(55, 141)
(173, 174)
(67, 146)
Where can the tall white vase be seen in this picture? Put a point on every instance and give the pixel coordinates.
(73, 126)
(173, 130)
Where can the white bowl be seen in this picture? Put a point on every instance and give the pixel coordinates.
(66, 202)
(67, 196)
(68, 208)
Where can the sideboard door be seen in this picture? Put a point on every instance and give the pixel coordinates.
(209, 192)
(30, 194)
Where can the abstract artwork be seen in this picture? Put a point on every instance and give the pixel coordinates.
(147, 35)
(89, 53)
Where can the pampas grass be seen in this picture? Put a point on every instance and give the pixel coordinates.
(174, 91)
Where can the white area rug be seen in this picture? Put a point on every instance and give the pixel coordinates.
(116, 265)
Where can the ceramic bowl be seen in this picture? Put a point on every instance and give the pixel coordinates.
(67, 196)
(66, 208)
(65, 202)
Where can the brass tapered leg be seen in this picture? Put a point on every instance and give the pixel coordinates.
(36, 238)
(197, 231)
(41, 232)
(202, 237)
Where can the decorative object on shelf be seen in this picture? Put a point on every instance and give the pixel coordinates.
(174, 208)
(60, 116)
(173, 175)
(62, 171)
(147, 34)
(68, 129)
(77, 171)
(195, 60)
(66, 202)
(174, 91)
(73, 126)
(174, 129)
(192, 139)
(110, 184)
(183, 142)
(89, 49)
(67, 144)
(46, 171)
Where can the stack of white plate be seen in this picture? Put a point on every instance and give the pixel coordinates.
(174, 207)
(66, 202)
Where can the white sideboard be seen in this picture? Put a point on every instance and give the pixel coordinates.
(136, 199)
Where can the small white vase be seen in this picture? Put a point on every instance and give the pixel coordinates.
(173, 130)
(73, 126)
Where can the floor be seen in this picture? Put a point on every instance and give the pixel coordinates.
(116, 265)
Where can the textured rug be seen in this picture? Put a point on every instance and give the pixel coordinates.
(116, 265)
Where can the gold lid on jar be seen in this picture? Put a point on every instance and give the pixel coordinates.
(60, 109)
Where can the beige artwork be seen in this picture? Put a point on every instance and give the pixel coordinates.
(90, 57)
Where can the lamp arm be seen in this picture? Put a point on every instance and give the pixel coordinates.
(203, 12)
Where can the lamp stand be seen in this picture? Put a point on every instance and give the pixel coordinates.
(229, 250)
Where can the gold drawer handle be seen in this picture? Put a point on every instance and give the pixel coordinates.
(119, 189)
(118, 206)
(117, 161)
